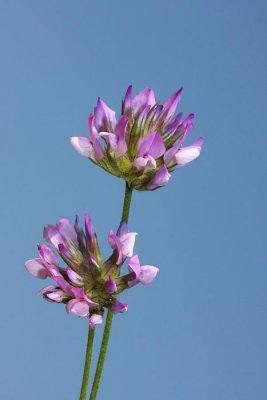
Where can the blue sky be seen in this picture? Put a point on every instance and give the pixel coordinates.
(199, 331)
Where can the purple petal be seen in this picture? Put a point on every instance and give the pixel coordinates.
(160, 178)
(170, 104)
(91, 240)
(104, 117)
(67, 231)
(189, 119)
(111, 140)
(145, 163)
(63, 284)
(46, 289)
(98, 151)
(127, 100)
(148, 273)
(134, 266)
(156, 116)
(56, 295)
(73, 276)
(151, 144)
(89, 229)
(83, 146)
(176, 122)
(111, 286)
(180, 136)
(144, 98)
(36, 268)
(118, 307)
(198, 143)
(51, 235)
(127, 243)
(79, 308)
(122, 147)
(63, 251)
(47, 255)
(123, 228)
(80, 295)
(80, 234)
(143, 117)
(115, 244)
(95, 319)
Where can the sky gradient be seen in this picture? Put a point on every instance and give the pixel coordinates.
(199, 331)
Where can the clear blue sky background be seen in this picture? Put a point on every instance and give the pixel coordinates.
(199, 331)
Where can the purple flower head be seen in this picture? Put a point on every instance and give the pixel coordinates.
(87, 284)
(145, 144)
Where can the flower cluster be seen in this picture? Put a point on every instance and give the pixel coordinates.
(145, 144)
(88, 284)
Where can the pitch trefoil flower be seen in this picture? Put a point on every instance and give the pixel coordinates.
(145, 144)
(87, 285)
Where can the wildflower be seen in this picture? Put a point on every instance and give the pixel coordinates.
(146, 143)
(88, 284)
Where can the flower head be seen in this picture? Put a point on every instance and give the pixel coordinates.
(145, 144)
(88, 284)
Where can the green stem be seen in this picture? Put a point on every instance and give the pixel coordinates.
(127, 202)
(105, 340)
(102, 356)
(87, 363)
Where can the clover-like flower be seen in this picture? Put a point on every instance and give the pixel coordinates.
(88, 284)
(146, 143)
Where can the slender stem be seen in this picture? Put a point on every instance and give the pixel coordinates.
(87, 363)
(127, 202)
(105, 340)
(102, 356)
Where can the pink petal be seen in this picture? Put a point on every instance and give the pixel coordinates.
(46, 289)
(148, 273)
(67, 231)
(111, 139)
(79, 294)
(36, 268)
(51, 235)
(134, 266)
(144, 163)
(47, 255)
(95, 319)
(127, 243)
(115, 244)
(189, 153)
(56, 296)
(123, 228)
(83, 146)
(76, 307)
(63, 284)
(73, 276)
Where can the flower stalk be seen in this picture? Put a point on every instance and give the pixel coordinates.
(87, 363)
(105, 340)
(127, 202)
